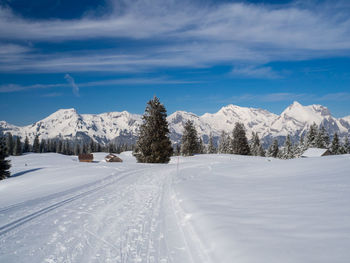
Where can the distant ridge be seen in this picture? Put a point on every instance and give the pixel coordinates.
(122, 127)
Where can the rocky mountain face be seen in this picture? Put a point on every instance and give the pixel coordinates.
(122, 127)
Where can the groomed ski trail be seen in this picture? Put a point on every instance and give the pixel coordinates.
(130, 216)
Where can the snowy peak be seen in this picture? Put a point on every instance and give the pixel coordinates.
(296, 120)
(306, 114)
(123, 126)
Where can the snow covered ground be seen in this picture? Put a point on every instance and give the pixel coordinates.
(209, 208)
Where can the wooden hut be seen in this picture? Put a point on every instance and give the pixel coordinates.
(315, 152)
(112, 158)
(86, 157)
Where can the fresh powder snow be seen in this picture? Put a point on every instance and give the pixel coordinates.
(205, 208)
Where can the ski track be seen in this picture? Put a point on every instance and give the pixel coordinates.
(132, 217)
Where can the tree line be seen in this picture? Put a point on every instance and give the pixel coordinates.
(237, 143)
(12, 145)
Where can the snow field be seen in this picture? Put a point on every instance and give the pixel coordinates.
(208, 208)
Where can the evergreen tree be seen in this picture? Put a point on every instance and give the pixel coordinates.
(288, 149)
(77, 149)
(53, 146)
(211, 147)
(202, 148)
(300, 148)
(111, 148)
(26, 147)
(261, 151)
(322, 138)
(189, 141)
(84, 149)
(224, 146)
(273, 150)
(9, 144)
(99, 148)
(42, 147)
(59, 147)
(311, 136)
(177, 149)
(347, 145)
(18, 147)
(36, 146)
(153, 144)
(239, 142)
(255, 145)
(4, 164)
(335, 147)
(91, 146)
(301, 140)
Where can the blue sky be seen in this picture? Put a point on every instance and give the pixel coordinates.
(114, 55)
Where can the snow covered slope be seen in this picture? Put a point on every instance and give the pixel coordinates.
(123, 126)
(206, 208)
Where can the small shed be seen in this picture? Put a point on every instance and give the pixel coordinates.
(315, 152)
(112, 158)
(86, 157)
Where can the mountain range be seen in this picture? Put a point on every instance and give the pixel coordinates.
(122, 127)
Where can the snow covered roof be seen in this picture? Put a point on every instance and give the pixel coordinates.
(315, 152)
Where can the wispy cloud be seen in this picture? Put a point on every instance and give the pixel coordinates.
(286, 96)
(10, 88)
(180, 34)
(256, 72)
(71, 81)
(52, 95)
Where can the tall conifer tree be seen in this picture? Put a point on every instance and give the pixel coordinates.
(18, 147)
(311, 136)
(153, 144)
(36, 145)
(4, 164)
(211, 146)
(26, 146)
(335, 147)
(189, 141)
(10, 145)
(224, 146)
(239, 140)
(273, 150)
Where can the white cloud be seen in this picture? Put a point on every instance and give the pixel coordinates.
(74, 86)
(287, 96)
(10, 88)
(255, 72)
(181, 34)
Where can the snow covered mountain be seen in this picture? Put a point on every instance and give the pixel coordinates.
(118, 127)
(68, 124)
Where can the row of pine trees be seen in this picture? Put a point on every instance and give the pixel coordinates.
(10, 145)
(14, 146)
(238, 143)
